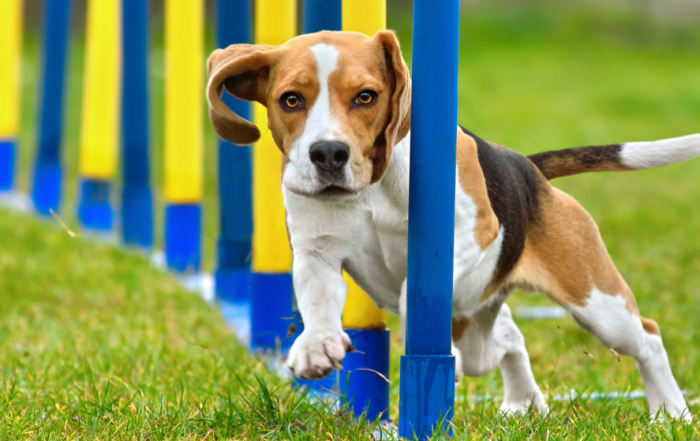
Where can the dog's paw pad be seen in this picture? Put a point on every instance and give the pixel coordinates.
(314, 355)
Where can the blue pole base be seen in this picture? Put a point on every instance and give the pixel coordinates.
(46, 187)
(183, 237)
(426, 395)
(7, 165)
(271, 312)
(137, 215)
(94, 209)
(367, 391)
(233, 285)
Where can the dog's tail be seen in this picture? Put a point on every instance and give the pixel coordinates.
(616, 157)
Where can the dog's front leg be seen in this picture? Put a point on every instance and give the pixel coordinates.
(320, 291)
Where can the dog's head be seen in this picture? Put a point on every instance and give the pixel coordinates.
(337, 103)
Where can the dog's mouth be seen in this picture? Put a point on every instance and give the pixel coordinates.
(331, 193)
(337, 192)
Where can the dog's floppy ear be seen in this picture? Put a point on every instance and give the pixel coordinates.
(244, 70)
(400, 106)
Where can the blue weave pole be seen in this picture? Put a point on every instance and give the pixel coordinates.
(322, 15)
(271, 312)
(427, 370)
(47, 178)
(364, 380)
(7, 164)
(183, 230)
(94, 209)
(137, 195)
(232, 277)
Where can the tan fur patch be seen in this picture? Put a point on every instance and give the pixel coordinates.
(472, 181)
(459, 325)
(490, 290)
(565, 257)
(650, 326)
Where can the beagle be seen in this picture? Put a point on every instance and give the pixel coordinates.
(338, 106)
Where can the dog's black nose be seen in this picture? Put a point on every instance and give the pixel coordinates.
(330, 156)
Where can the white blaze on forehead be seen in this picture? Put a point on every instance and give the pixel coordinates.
(326, 61)
(319, 125)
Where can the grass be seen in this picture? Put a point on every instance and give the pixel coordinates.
(95, 344)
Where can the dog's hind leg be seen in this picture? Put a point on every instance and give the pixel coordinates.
(608, 317)
(566, 259)
(491, 339)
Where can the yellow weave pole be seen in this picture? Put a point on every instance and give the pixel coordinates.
(271, 299)
(184, 74)
(275, 23)
(101, 97)
(364, 16)
(10, 64)
(10, 87)
(184, 41)
(367, 17)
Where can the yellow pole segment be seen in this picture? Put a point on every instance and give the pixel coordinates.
(184, 34)
(367, 17)
(10, 65)
(364, 16)
(360, 312)
(275, 23)
(101, 97)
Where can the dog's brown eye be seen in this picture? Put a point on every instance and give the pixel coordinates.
(290, 101)
(365, 97)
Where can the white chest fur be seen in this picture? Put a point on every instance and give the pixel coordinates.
(369, 235)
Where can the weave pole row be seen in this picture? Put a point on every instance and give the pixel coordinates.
(254, 260)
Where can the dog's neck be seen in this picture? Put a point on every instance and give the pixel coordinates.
(396, 177)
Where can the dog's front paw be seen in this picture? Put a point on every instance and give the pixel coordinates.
(315, 354)
(534, 401)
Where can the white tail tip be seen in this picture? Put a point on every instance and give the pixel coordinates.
(641, 155)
